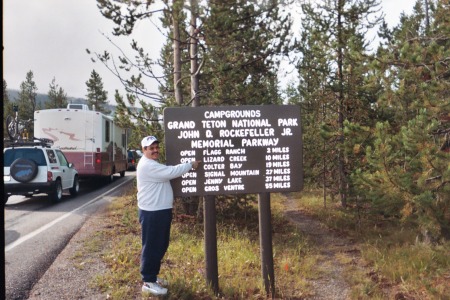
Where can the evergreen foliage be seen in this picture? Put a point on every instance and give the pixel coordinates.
(237, 46)
(140, 122)
(96, 95)
(375, 123)
(26, 101)
(409, 165)
(167, 58)
(57, 98)
(335, 89)
(243, 41)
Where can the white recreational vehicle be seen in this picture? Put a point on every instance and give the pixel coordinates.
(89, 139)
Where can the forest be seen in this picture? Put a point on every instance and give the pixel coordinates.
(375, 114)
(375, 119)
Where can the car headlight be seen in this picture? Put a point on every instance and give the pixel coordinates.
(6, 178)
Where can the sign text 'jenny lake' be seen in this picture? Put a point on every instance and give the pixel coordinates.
(243, 149)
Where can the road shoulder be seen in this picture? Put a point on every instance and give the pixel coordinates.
(72, 273)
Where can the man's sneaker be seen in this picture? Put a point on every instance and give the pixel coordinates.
(162, 282)
(154, 288)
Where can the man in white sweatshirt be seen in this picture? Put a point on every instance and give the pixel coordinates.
(155, 201)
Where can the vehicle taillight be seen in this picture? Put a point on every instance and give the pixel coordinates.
(98, 158)
(49, 176)
(132, 161)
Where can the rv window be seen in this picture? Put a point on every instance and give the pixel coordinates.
(76, 106)
(107, 131)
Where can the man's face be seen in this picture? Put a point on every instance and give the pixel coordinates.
(152, 151)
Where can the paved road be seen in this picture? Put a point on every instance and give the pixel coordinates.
(36, 230)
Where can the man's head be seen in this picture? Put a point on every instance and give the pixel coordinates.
(150, 147)
(149, 140)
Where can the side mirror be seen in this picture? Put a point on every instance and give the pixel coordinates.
(71, 165)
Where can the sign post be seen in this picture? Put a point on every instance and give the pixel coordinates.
(244, 150)
(265, 242)
(209, 216)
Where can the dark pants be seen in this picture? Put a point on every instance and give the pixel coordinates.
(155, 227)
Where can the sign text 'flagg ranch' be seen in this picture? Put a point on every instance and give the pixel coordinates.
(243, 149)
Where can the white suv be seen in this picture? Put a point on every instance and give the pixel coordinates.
(34, 167)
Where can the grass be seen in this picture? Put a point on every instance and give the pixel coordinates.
(184, 264)
(397, 261)
(413, 269)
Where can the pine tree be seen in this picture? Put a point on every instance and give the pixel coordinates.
(134, 72)
(242, 42)
(175, 58)
(337, 95)
(27, 100)
(238, 62)
(139, 122)
(57, 98)
(313, 69)
(96, 95)
(409, 175)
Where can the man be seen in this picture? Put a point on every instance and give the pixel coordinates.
(155, 201)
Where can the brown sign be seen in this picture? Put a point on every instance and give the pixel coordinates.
(243, 149)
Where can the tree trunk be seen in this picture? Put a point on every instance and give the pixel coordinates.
(177, 55)
(324, 163)
(342, 178)
(193, 50)
(194, 55)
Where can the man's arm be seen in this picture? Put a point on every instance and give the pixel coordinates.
(162, 172)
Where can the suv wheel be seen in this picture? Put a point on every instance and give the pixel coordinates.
(23, 170)
(56, 194)
(76, 187)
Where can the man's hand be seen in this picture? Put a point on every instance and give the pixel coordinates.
(195, 164)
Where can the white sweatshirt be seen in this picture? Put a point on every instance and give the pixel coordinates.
(153, 183)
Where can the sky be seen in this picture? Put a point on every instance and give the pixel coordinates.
(50, 38)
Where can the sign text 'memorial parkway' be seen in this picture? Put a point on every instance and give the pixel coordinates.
(243, 149)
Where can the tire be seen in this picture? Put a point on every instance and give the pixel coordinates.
(122, 174)
(56, 193)
(23, 170)
(111, 178)
(76, 187)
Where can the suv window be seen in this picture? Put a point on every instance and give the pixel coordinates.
(51, 156)
(11, 155)
(62, 158)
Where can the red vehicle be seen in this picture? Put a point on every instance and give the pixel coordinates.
(133, 158)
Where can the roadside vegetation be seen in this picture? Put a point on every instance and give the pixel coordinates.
(412, 267)
(184, 264)
(399, 263)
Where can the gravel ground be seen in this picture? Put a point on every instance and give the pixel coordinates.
(72, 273)
(335, 250)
